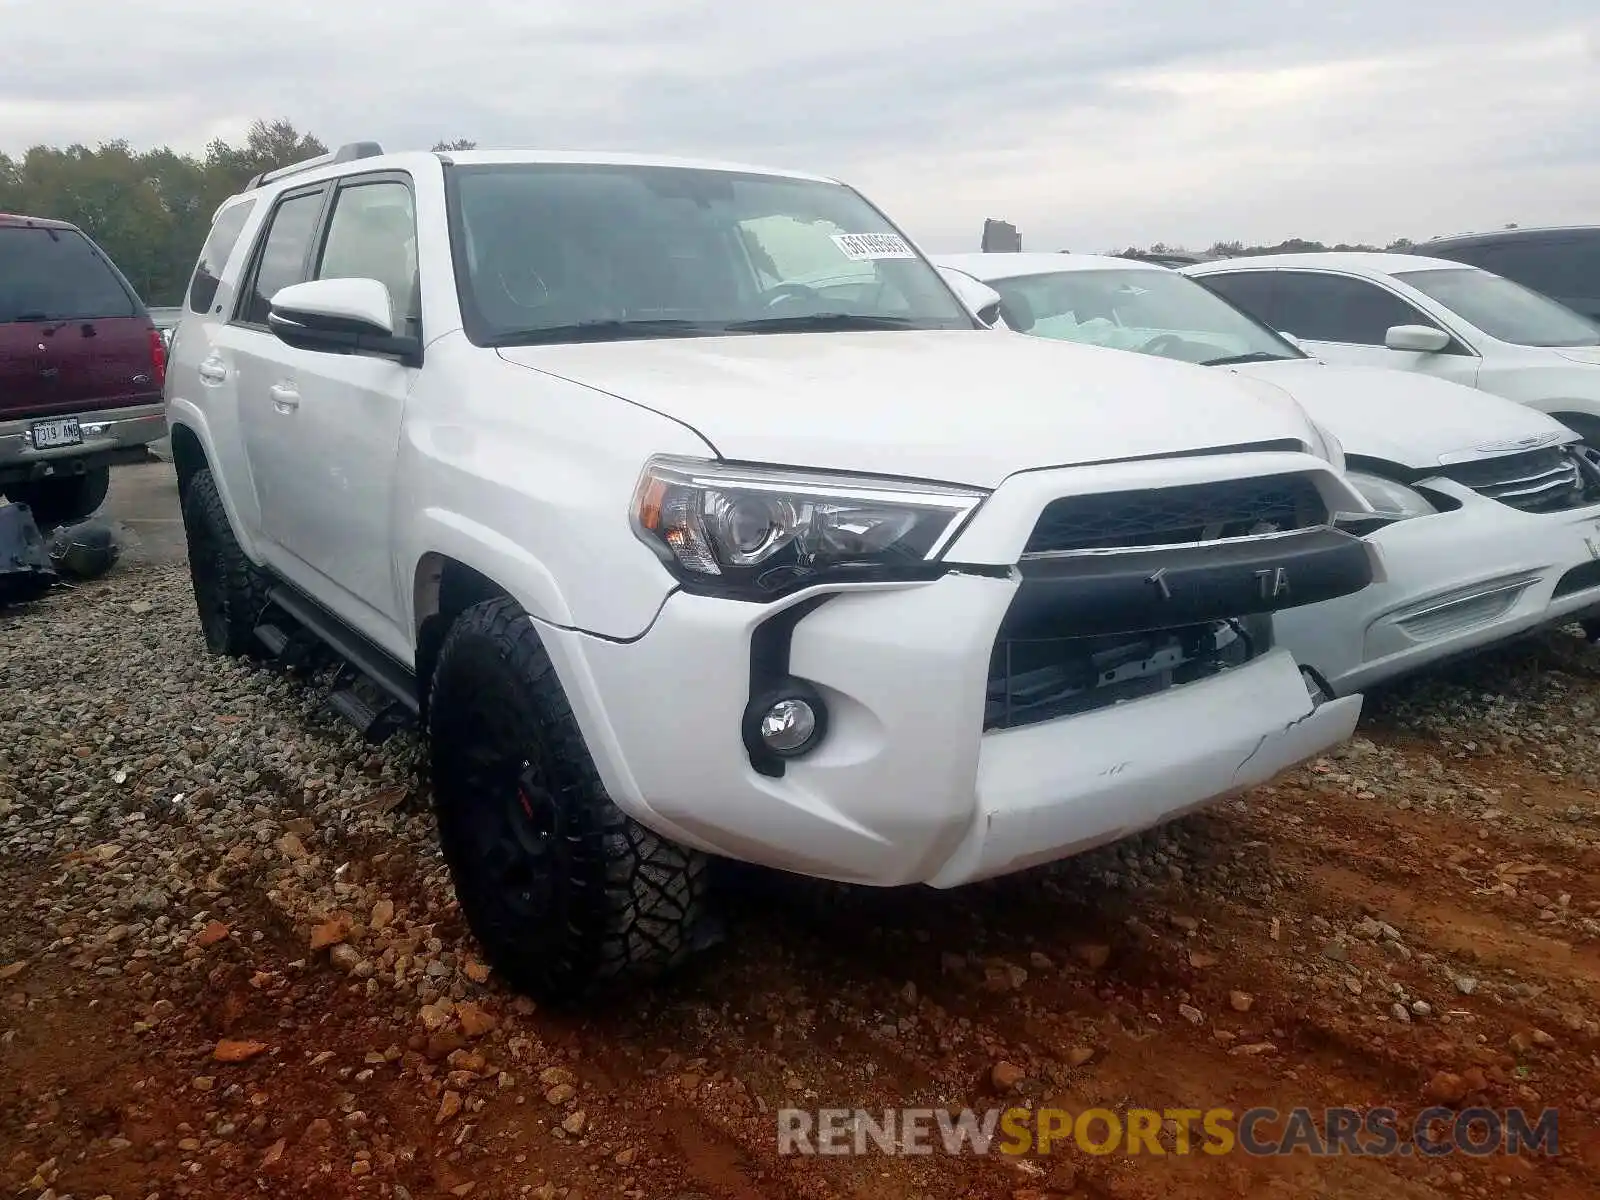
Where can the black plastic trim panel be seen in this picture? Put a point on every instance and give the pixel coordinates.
(769, 665)
(1088, 594)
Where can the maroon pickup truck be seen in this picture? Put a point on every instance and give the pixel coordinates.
(81, 370)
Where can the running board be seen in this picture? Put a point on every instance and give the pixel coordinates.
(291, 648)
(371, 710)
(389, 677)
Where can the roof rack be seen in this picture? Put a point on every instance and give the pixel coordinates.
(348, 152)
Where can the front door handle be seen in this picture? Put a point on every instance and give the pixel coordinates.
(285, 398)
(212, 371)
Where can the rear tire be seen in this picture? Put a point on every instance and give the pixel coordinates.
(230, 591)
(63, 500)
(566, 893)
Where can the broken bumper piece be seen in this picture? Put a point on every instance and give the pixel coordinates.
(25, 568)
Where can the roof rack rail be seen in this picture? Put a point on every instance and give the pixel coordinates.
(348, 152)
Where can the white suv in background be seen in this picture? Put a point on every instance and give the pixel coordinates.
(1430, 316)
(1493, 509)
(695, 515)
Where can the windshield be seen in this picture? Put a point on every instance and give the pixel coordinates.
(1154, 312)
(1504, 310)
(552, 252)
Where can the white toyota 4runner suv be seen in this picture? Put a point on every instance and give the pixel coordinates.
(694, 515)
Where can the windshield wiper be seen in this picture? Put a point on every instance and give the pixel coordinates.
(605, 331)
(830, 322)
(1233, 360)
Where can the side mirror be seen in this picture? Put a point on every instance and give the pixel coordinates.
(981, 299)
(350, 316)
(1419, 339)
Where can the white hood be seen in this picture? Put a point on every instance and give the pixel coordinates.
(1401, 417)
(953, 406)
(1589, 356)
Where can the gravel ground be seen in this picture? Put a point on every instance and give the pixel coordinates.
(230, 962)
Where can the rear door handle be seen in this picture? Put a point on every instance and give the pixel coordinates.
(212, 371)
(285, 398)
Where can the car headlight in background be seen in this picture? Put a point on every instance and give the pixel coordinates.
(1394, 501)
(756, 533)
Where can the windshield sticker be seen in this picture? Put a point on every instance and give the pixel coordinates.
(864, 247)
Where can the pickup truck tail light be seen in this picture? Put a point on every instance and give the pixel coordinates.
(158, 357)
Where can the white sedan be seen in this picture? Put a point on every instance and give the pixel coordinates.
(1493, 509)
(1429, 316)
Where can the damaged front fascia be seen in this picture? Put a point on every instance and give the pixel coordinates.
(1267, 737)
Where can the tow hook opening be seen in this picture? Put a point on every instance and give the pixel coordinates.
(1316, 687)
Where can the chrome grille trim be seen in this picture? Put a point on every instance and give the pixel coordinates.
(1162, 518)
(1549, 480)
(1164, 547)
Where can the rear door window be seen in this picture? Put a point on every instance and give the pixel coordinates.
(285, 252)
(214, 255)
(57, 275)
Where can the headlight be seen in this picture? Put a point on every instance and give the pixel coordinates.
(753, 533)
(1393, 500)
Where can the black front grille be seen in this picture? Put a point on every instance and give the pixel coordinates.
(1540, 481)
(1175, 515)
(1040, 679)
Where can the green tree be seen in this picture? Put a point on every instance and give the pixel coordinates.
(457, 144)
(268, 146)
(148, 210)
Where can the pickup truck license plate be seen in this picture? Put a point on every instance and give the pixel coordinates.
(63, 431)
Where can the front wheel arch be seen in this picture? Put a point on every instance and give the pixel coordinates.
(566, 893)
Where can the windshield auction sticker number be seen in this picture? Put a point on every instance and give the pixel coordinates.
(864, 247)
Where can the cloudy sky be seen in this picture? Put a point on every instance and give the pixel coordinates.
(1087, 125)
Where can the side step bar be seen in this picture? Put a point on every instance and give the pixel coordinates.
(372, 711)
(374, 693)
(291, 647)
(393, 679)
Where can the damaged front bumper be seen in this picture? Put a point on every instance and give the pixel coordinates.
(913, 783)
(1052, 790)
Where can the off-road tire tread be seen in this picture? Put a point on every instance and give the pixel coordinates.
(246, 587)
(632, 900)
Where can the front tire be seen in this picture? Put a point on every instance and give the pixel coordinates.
(64, 500)
(566, 893)
(230, 591)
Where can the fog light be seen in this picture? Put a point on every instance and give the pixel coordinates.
(788, 726)
(783, 722)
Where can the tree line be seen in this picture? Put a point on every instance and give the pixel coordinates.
(150, 210)
(1287, 246)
